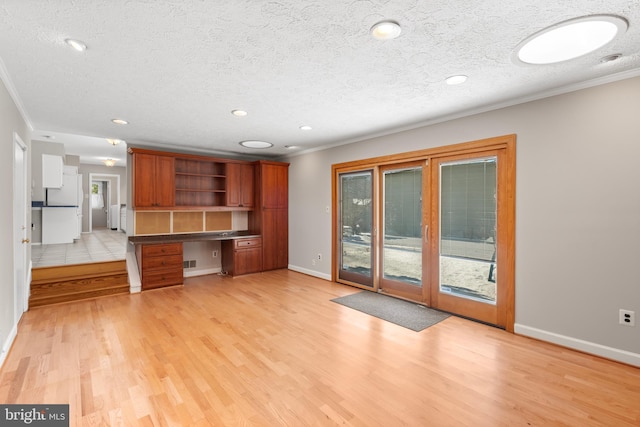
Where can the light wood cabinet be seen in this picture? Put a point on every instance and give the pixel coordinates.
(240, 185)
(242, 256)
(153, 180)
(159, 264)
(270, 218)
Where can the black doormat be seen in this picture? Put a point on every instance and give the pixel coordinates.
(407, 314)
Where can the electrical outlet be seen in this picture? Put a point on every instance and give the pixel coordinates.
(319, 257)
(627, 317)
(215, 254)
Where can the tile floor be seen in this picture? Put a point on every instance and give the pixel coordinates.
(99, 245)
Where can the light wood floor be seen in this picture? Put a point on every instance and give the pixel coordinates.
(271, 349)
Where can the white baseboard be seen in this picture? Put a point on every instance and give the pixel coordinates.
(309, 272)
(6, 345)
(204, 272)
(580, 345)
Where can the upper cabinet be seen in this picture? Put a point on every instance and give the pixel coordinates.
(240, 185)
(274, 184)
(153, 180)
(52, 171)
(200, 182)
(175, 181)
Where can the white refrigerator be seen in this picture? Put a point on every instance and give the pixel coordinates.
(62, 213)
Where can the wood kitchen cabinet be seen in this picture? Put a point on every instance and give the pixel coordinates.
(153, 180)
(200, 182)
(159, 264)
(270, 216)
(242, 256)
(240, 185)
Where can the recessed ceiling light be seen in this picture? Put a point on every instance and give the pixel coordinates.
(570, 39)
(109, 162)
(49, 136)
(256, 144)
(385, 30)
(114, 141)
(76, 44)
(290, 147)
(456, 80)
(305, 127)
(120, 121)
(239, 113)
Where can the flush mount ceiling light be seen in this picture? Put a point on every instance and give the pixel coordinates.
(76, 44)
(120, 121)
(570, 39)
(239, 113)
(456, 80)
(385, 30)
(114, 141)
(256, 144)
(109, 162)
(611, 58)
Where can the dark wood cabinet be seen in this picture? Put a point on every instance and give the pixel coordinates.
(274, 185)
(159, 264)
(240, 185)
(275, 232)
(153, 181)
(242, 256)
(200, 182)
(270, 218)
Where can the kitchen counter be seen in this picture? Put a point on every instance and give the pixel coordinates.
(191, 237)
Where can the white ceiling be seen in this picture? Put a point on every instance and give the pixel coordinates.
(175, 69)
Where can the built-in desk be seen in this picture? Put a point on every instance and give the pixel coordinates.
(191, 237)
(159, 257)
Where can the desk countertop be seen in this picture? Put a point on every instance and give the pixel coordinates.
(191, 237)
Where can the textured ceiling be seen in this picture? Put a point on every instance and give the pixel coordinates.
(176, 69)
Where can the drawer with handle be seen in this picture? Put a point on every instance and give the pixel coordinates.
(247, 243)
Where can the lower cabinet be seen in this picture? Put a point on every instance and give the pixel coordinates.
(159, 264)
(242, 256)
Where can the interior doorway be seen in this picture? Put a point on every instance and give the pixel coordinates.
(104, 193)
(21, 271)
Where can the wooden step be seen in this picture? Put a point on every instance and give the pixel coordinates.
(64, 283)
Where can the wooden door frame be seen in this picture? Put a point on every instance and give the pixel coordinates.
(506, 205)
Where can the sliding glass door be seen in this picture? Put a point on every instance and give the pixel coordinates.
(356, 259)
(403, 225)
(446, 219)
(465, 265)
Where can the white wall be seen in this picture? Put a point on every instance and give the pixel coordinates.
(10, 121)
(577, 210)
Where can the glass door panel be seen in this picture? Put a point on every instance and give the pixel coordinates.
(402, 221)
(356, 224)
(467, 279)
